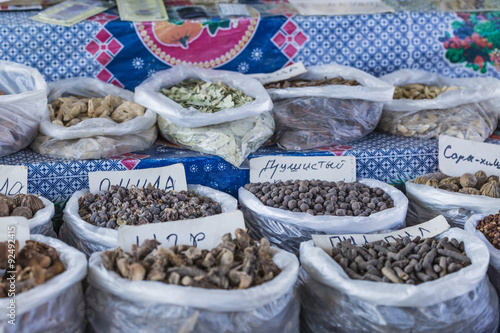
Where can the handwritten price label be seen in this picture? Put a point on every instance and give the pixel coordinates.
(204, 233)
(13, 179)
(457, 156)
(276, 168)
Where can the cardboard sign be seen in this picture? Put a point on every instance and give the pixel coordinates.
(276, 168)
(457, 156)
(425, 230)
(14, 228)
(168, 178)
(281, 74)
(204, 233)
(13, 179)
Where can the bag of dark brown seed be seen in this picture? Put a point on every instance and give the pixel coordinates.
(57, 305)
(315, 115)
(429, 201)
(22, 105)
(460, 302)
(100, 232)
(117, 304)
(287, 228)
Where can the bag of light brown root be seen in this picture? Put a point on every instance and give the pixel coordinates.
(239, 286)
(426, 105)
(47, 287)
(418, 285)
(23, 99)
(329, 105)
(89, 119)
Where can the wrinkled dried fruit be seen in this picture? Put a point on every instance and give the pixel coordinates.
(448, 187)
(491, 189)
(421, 180)
(450, 180)
(470, 190)
(22, 211)
(468, 180)
(432, 182)
(34, 203)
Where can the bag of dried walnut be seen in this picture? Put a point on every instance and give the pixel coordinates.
(23, 99)
(56, 305)
(328, 105)
(90, 119)
(426, 105)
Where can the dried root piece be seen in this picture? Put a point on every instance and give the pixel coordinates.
(126, 111)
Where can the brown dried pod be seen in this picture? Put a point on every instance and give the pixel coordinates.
(450, 180)
(32, 202)
(421, 180)
(468, 180)
(449, 187)
(432, 182)
(470, 190)
(491, 189)
(22, 211)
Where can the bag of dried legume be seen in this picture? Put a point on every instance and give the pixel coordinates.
(326, 112)
(287, 229)
(463, 301)
(57, 305)
(427, 105)
(90, 238)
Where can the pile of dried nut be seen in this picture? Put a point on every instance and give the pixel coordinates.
(234, 264)
(20, 205)
(34, 264)
(406, 261)
(476, 184)
(490, 227)
(319, 197)
(311, 83)
(420, 91)
(69, 111)
(137, 206)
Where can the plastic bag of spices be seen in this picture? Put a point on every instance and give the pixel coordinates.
(57, 305)
(463, 301)
(316, 116)
(89, 238)
(427, 202)
(286, 229)
(463, 108)
(116, 304)
(23, 99)
(91, 119)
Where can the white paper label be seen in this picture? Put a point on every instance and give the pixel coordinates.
(13, 179)
(341, 7)
(204, 233)
(276, 168)
(14, 228)
(281, 74)
(169, 178)
(227, 9)
(457, 156)
(425, 230)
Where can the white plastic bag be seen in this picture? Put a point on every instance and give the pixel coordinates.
(311, 117)
(41, 222)
(22, 106)
(427, 202)
(116, 304)
(55, 306)
(93, 138)
(463, 301)
(469, 113)
(148, 94)
(89, 238)
(287, 230)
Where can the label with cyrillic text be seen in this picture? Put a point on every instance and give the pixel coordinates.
(204, 233)
(168, 178)
(14, 228)
(428, 229)
(281, 74)
(283, 168)
(457, 156)
(13, 179)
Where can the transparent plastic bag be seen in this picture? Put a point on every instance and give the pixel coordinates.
(287, 230)
(115, 304)
(460, 302)
(41, 222)
(55, 306)
(470, 113)
(22, 106)
(148, 94)
(427, 202)
(89, 238)
(233, 141)
(311, 117)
